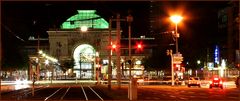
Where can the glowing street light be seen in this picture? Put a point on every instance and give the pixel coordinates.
(46, 62)
(40, 52)
(84, 28)
(176, 19)
(198, 62)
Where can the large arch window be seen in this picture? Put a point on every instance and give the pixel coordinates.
(84, 57)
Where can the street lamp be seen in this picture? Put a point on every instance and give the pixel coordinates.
(198, 62)
(176, 19)
(84, 28)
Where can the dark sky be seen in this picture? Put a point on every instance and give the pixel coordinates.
(19, 16)
(198, 29)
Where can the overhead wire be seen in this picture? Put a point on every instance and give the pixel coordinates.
(12, 33)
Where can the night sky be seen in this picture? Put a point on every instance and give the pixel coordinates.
(198, 30)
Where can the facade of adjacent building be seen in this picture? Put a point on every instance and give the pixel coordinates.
(228, 27)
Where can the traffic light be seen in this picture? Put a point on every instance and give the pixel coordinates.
(139, 46)
(114, 46)
(177, 67)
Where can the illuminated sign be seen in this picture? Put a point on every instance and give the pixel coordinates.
(210, 65)
(216, 55)
(177, 58)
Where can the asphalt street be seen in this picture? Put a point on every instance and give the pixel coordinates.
(145, 92)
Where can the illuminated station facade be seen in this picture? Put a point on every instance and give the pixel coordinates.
(90, 49)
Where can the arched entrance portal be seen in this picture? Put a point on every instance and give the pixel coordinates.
(84, 57)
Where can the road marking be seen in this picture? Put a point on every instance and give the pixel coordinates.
(182, 98)
(65, 93)
(96, 93)
(172, 96)
(84, 93)
(52, 94)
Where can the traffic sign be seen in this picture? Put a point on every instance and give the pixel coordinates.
(177, 58)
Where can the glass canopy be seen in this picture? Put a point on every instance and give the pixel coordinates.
(87, 18)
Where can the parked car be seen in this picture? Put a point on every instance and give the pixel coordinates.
(216, 82)
(194, 81)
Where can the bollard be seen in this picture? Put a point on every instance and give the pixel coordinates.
(133, 89)
(33, 89)
(183, 83)
(129, 89)
(33, 83)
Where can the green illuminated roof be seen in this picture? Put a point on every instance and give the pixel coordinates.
(85, 18)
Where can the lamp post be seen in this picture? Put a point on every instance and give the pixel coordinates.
(169, 52)
(129, 20)
(198, 62)
(110, 55)
(176, 19)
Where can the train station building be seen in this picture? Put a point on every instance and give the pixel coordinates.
(89, 50)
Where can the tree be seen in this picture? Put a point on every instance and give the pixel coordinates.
(67, 64)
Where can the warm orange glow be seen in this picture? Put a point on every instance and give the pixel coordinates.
(176, 19)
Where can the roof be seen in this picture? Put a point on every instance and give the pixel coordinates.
(87, 18)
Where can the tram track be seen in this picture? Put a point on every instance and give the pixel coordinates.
(58, 93)
(19, 94)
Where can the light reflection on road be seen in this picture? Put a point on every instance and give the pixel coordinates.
(21, 86)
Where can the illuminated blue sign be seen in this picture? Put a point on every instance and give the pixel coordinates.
(216, 55)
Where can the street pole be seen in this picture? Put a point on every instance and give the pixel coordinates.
(118, 51)
(172, 67)
(129, 20)
(176, 35)
(38, 65)
(51, 66)
(109, 56)
(169, 52)
(80, 67)
(176, 19)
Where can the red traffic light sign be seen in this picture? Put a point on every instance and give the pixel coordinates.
(139, 46)
(114, 47)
